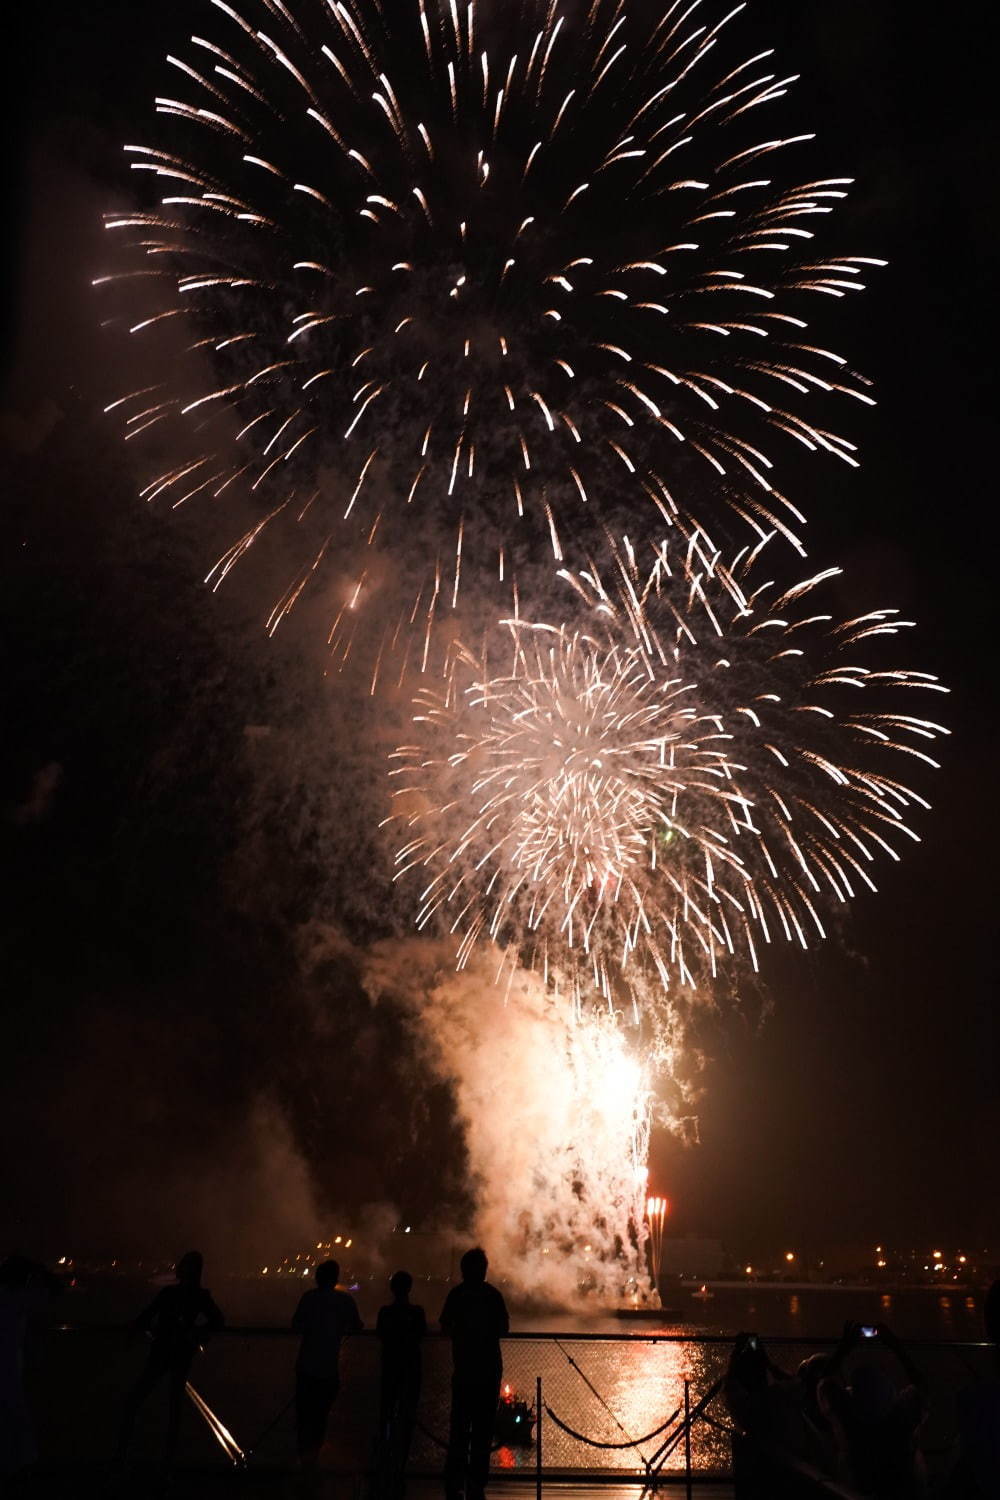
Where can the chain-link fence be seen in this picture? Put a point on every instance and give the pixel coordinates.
(610, 1405)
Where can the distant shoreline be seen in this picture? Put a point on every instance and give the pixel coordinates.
(947, 1288)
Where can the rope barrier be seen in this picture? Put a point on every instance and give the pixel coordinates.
(596, 1443)
(719, 1426)
(442, 1443)
(666, 1448)
(591, 1387)
(270, 1426)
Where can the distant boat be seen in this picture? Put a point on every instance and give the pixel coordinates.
(703, 1294)
(514, 1420)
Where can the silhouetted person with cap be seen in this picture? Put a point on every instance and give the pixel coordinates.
(323, 1317)
(400, 1327)
(177, 1320)
(475, 1318)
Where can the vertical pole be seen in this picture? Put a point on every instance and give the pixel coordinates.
(538, 1437)
(687, 1438)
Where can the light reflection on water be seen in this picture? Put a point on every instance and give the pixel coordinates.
(611, 1392)
(649, 1388)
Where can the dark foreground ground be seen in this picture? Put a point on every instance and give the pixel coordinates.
(144, 1483)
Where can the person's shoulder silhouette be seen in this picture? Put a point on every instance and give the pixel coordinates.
(401, 1324)
(325, 1314)
(179, 1313)
(474, 1313)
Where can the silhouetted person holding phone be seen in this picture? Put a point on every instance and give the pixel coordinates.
(884, 1417)
(177, 1320)
(324, 1317)
(475, 1318)
(401, 1327)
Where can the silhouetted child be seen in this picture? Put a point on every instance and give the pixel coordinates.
(323, 1317)
(475, 1318)
(401, 1327)
(177, 1320)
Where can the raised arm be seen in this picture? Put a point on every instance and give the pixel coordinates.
(212, 1313)
(849, 1341)
(913, 1371)
(147, 1318)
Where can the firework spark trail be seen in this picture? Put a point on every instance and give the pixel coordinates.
(475, 284)
(688, 773)
(656, 1214)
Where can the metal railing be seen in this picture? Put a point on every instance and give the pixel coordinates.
(639, 1409)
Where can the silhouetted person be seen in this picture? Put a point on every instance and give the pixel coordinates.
(475, 1318)
(755, 1391)
(991, 1317)
(177, 1320)
(401, 1326)
(784, 1420)
(884, 1419)
(25, 1287)
(323, 1317)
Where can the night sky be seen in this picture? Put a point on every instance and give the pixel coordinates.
(158, 1027)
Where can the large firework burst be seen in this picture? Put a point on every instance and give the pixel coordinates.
(475, 282)
(686, 769)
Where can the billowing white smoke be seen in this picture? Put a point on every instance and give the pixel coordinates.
(556, 1110)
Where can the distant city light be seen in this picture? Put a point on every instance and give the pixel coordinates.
(789, 1255)
(748, 1270)
(937, 1254)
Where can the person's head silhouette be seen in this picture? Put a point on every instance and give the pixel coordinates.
(400, 1285)
(16, 1271)
(189, 1268)
(474, 1265)
(327, 1273)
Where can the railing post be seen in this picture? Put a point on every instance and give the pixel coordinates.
(538, 1437)
(687, 1438)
